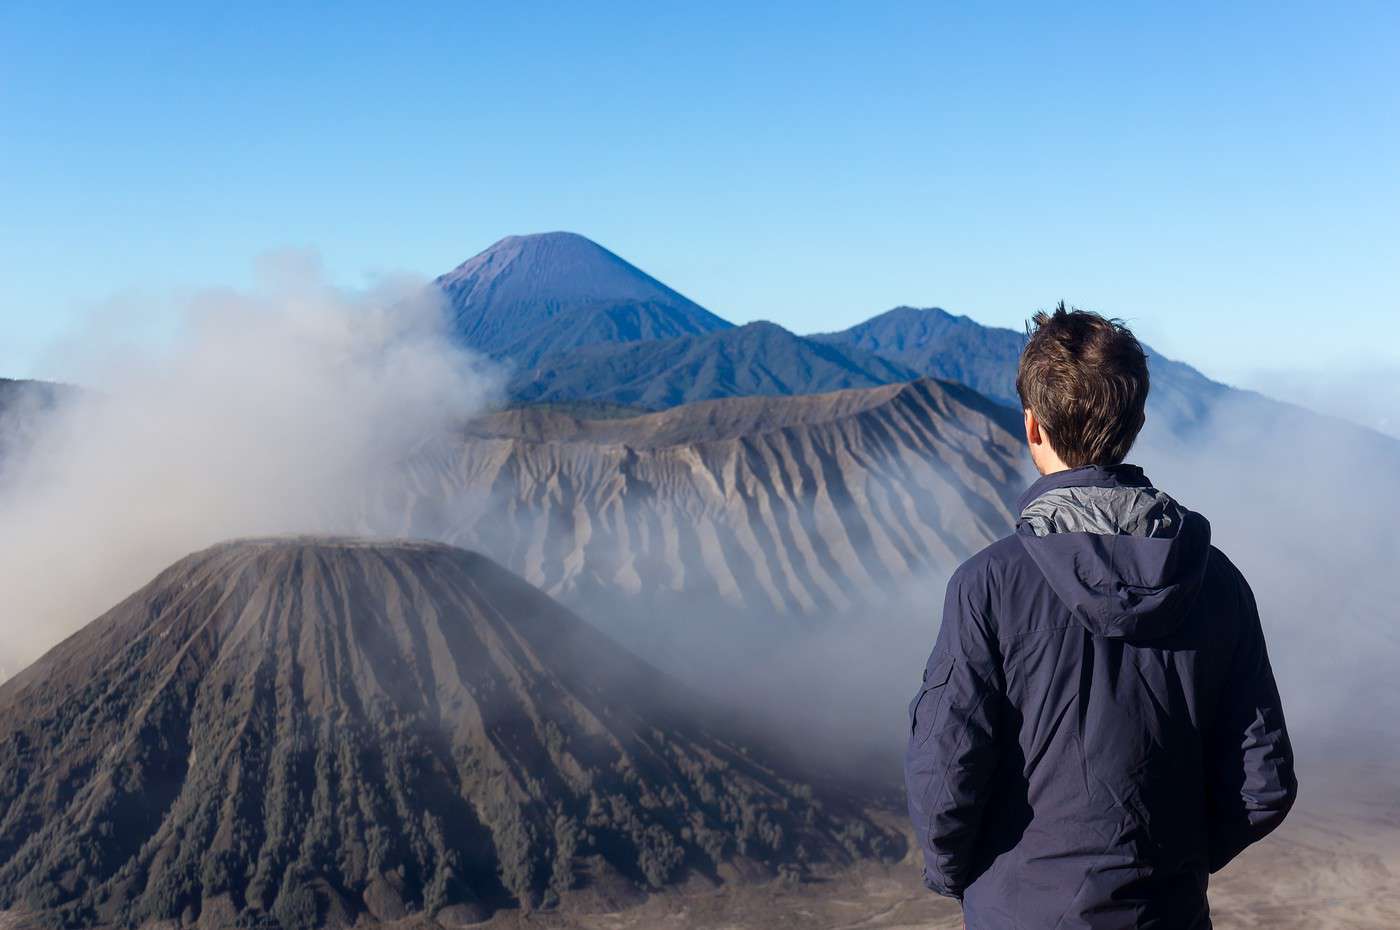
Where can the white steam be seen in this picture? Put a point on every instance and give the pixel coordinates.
(1368, 394)
(278, 410)
(1306, 507)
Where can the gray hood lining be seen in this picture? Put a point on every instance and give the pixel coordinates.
(1117, 511)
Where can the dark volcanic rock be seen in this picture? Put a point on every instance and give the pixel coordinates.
(303, 732)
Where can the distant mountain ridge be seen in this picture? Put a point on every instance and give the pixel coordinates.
(938, 344)
(578, 324)
(755, 359)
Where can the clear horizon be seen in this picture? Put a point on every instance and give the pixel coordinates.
(1223, 179)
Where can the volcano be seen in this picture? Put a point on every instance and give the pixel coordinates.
(527, 297)
(310, 732)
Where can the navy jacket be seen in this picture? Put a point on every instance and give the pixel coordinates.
(1098, 727)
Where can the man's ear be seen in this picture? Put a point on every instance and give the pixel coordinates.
(1033, 435)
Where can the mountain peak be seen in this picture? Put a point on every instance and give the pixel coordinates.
(907, 312)
(557, 238)
(768, 328)
(530, 295)
(537, 246)
(557, 235)
(934, 342)
(556, 254)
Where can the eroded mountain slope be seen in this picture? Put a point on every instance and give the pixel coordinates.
(780, 505)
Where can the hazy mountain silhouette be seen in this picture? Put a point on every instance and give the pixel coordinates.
(307, 732)
(33, 396)
(529, 296)
(936, 343)
(23, 407)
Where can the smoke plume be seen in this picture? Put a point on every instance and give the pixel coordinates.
(273, 410)
(1305, 505)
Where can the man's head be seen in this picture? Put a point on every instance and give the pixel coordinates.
(1083, 385)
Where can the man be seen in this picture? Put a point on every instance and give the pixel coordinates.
(1098, 728)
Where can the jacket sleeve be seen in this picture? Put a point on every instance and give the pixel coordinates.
(1252, 785)
(952, 742)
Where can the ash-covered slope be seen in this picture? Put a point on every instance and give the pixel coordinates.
(307, 732)
(526, 297)
(798, 506)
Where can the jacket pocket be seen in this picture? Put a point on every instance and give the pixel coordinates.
(925, 707)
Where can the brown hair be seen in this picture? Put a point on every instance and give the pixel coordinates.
(1085, 379)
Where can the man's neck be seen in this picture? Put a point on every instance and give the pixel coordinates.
(1047, 462)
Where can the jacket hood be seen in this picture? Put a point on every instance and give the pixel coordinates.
(1125, 558)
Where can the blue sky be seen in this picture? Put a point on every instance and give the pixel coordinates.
(1225, 176)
